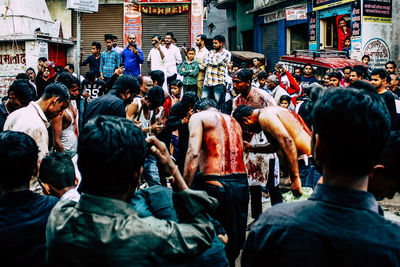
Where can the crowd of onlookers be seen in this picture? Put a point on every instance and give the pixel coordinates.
(95, 167)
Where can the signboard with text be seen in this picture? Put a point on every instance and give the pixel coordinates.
(356, 19)
(313, 28)
(89, 6)
(132, 23)
(322, 4)
(296, 13)
(377, 11)
(379, 52)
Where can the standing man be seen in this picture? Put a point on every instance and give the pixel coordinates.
(308, 77)
(109, 60)
(346, 80)
(215, 70)
(216, 149)
(343, 31)
(132, 57)
(156, 59)
(390, 67)
(93, 60)
(276, 90)
(172, 57)
(117, 48)
(394, 84)
(201, 53)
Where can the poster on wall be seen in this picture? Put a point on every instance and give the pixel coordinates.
(296, 13)
(132, 24)
(196, 20)
(322, 4)
(356, 19)
(313, 28)
(379, 11)
(379, 52)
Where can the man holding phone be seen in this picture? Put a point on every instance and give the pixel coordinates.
(132, 57)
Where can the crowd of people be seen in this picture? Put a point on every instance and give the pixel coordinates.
(124, 168)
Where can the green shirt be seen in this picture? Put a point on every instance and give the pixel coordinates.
(99, 231)
(189, 78)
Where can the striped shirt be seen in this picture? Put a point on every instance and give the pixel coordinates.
(215, 66)
(109, 61)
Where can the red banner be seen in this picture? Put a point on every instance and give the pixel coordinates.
(161, 10)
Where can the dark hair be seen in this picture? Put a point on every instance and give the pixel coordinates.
(390, 156)
(262, 75)
(65, 78)
(245, 75)
(158, 76)
(347, 68)
(177, 83)
(76, 81)
(141, 77)
(114, 37)
(111, 150)
(309, 66)
(342, 19)
(285, 97)
(242, 111)
(30, 68)
(358, 71)
(380, 72)
(202, 37)
(156, 96)
(298, 68)
(56, 89)
(392, 63)
(126, 83)
(44, 59)
(97, 45)
(336, 75)
(90, 75)
(347, 38)
(219, 38)
(23, 91)
(171, 34)
(70, 66)
(364, 85)
(57, 170)
(204, 103)
(174, 39)
(297, 78)
(365, 56)
(364, 127)
(107, 37)
(22, 76)
(189, 100)
(190, 49)
(18, 159)
(156, 36)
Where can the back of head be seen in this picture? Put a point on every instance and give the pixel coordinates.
(127, 83)
(44, 59)
(360, 70)
(188, 101)
(156, 36)
(202, 37)
(18, 159)
(337, 75)
(111, 151)
(70, 66)
(354, 125)
(157, 76)
(205, 103)
(22, 76)
(23, 91)
(57, 170)
(56, 89)
(156, 96)
(274, 79)
(364, 85)
(65, 78)
(90, 76)
(262, 75)
(245, 75)
(390, 158)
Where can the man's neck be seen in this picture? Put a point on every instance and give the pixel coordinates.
(307, 75)
(42, 104)
(219, 50)
(97, 55)
(201, 46)
(381, 90)
(61, 192)
(246, 93)
(168, 45)
(346, 181)
(109, 49)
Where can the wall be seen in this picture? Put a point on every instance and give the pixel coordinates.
(244, 21)
(219, 18)
(395, 36)
(59, 12)
(12, 62)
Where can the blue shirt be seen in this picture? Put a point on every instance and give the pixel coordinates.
(94, 64)
(334, 227)
(132, 62)
(23, 219)
(109, 61)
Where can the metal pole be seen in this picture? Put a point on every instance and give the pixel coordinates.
(78, 42)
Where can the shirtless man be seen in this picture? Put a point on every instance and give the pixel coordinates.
(216, 149)
(288, 135)
(65, 127)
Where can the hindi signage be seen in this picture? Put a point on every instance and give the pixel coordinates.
(322, 4)
(88, 6)
(296, 13)
(378, 11)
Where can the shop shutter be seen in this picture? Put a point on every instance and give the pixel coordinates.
(108, 20)
(269, 44)
(153, 24)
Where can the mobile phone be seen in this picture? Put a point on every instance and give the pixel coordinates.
(135, 46)
(184, 44)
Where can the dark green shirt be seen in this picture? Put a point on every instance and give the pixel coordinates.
(105, 231)
(189, 78)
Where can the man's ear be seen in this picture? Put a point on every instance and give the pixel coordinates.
(11, 95)
(46, 188)
(246, 120)
(76, 182)
(378, 172)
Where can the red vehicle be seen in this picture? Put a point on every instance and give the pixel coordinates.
(322, 61)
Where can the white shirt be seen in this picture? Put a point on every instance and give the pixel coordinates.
(72, 195)
(156, 62)
(32, 121)
(201, 54)
(171, 59)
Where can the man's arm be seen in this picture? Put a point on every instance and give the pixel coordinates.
(131, 111)
(140, 56)
(56, 124)
(193, 152)
(178, 56)
(101, 67)
(272, 125)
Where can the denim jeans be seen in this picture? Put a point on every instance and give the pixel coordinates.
(150, 171)
(216, 93)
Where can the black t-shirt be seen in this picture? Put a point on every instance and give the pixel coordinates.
(95, 90)
(391, 106)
